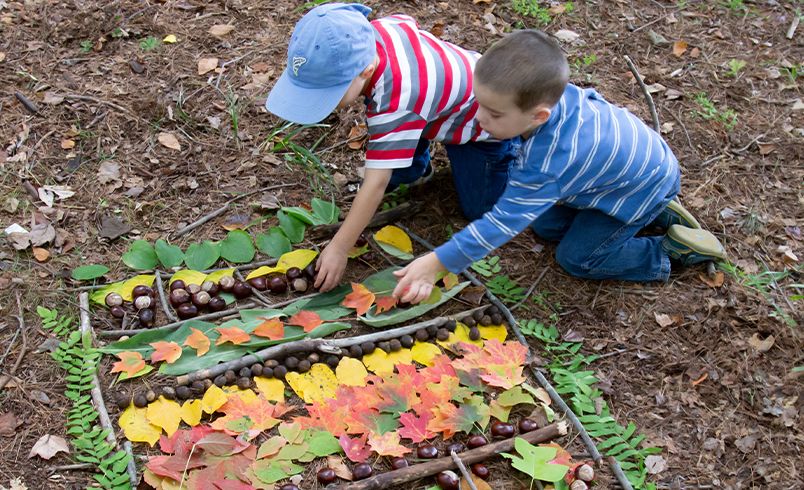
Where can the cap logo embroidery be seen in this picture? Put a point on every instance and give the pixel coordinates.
(298, 61)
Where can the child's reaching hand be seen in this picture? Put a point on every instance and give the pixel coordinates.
(329, 267)
(417, 278)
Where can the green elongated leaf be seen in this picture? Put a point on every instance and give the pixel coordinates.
(169, 256)
(274, 243)
(302, 215)
(140, 256)
(393, 251)
(325, 211)
(291, 227)
(200, 256)
(237, 247)
(87, 272)
(396, 316)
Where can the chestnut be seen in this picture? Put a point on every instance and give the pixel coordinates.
(141, 290)
(142, 302)
(193, 288)
(226, 283)
(209, 287)
(502, 429)
(300, 285)
(291, 362)
(259, 283)
(230, 376)
(289, 486)
(244, 372)
(201, 299)
(367, 347)
(480, 470)
(140, 401)
(256, 369)
(117, 311)
(216, 304)
(187, 310)
(579, 485)
(220, 381)
(496, 319)
(362, 471)
(241, 290)
(474, 333)
(179, 296)
(457, 447)
(585, 472)
(485, 321)
(150, 395)
(332, 361)
(469, 322)
(280, 372)
(432, 330)
(527, 425)
(146, 316)
(277, 285)
(177, 284)
(427, 451)
(293, 273)
(113, 299)
(326, 476)
(310, 271)
(356, 351)
(451, 325)
(244, 383)
(476, 441)
(478, 315)
(448, 480)
(313, 357)
(398, 463)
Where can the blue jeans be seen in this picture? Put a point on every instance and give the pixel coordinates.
(479, 172)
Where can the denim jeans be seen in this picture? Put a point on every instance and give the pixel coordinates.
(479, 172)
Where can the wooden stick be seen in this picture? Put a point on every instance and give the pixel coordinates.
(466, 475)
(97, 395)
(381, 218)
(165, 307)
(113, 334)
(482, 453)
(653, 114)
(26, 103)
(5, 379)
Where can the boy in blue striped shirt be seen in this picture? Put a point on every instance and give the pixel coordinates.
(590, 176)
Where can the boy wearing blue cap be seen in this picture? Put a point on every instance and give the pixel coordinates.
(590, 177)
(418, 89)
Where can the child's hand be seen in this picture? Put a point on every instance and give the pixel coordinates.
(417, 278)
(330, 266)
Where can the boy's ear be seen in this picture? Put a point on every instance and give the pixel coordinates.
(540, 115)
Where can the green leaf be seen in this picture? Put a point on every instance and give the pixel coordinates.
(87, 272)
(322, 443)
(301, 214)
(237, 247)
(393, 251)
(169, 256)
(201, 256)
(291, 227)
(399, 315)
(326, 212)
(533, 461)
(140, 255)
(274, 243)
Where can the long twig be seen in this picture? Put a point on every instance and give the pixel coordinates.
(162, 299)
(530, 289)
(4, 381)
(97, 395)
(466, 475)
(653, 114)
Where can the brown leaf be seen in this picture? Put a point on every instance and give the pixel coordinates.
(761, 345)
(236, 222)
(663, 319)
(113, 227)
(572, 336)
(48, 445)
(9, 424)
(679, 48)
(67, 144)
(337, 464)
(473, 294)
(41, 254)
(358, 135)
(695, 53)
(713, 282)
(480, 484)
(41, 234)
(169, 140)
(220, 30)
(260, 67)
(206, 65)
(766, 149)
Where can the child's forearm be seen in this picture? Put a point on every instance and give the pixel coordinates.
(363, 208)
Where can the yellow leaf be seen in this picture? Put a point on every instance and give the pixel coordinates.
(189, 277)
(170, 39)
(461, 334)
(128, 286)
(402, 356)
(493, 332)
(67, 144)
(164, 413)
(316, 385)
(425, 352)
(248, 396)
(191, 412)
(262, 271)
(213, 399)
(216, 276)
(298, 258)
(381, 363)
(395, 237)
(271, 389)
(351, 372)
(136, 427)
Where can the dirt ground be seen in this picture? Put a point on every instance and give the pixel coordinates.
(706, 370)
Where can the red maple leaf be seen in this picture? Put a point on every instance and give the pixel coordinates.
(165, 351)
(385, 303)
(198, 341)
(307, 319)
(449, 419)
(272, 329)
(250, 417)
(232, 334)
(394, 396)
(415, 428)
(499, 364)
(355, 449)
(441, 365)
(173, 466)
(130, 363)
(387, 444)
(360, 299)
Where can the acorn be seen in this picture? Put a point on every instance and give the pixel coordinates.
(169, 392)
(244, 372)
(210, 287)
(432, 330)
(579, 485)
(293, 273)
(469, 322)
(325, 476)
(485, 321)
(332, 361)
(476, 441)
(216, 304)
(451, 325)
(442, 334)
(585, 472)
(277, 284)
(368, 347)
(123, 400)
(259, 283)
(474, 333)
(230, 376)
(385, 346)
(146, 316)
(178, 297)
(496, 319)
(406, 341)
(141, 290)
(117, 311)
(362, 471)
(395, 345)
(291, 362)
(448, 480)
(527, 425)
(241, 290)
(256, 369)
(304, 366)
(220, 381)
(300, 285)
(193, 288)
(267, 372)
(313, 357)
(244, 383)
(226, 283)
(150, 395)
(140, 401)
(187, 310)
(310, 271)
(280, 372)
(427, 451)
(457, 447)
(399, 463)
(177, 284)
(142, 302)
(422, 335)
(478, 315)
(480, 470)
(502, 430)
(113, 299)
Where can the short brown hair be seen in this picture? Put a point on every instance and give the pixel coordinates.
(529, 65)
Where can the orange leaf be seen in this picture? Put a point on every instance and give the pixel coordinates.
(165, 351)
(198, 341)
(41, 254)
(385, 303)
(233, 334)
(130, 363)
(307, 319)
(272, 329)
(679, 48)
(360, 299)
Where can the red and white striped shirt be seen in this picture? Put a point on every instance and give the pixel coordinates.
(422, 88)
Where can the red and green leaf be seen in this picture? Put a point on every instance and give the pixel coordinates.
(130, 363)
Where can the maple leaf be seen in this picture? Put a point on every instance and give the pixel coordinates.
(387, 444)
(385, 303)
(395, 397)
(307, 319)
(246, 416)
(415, 428)
(369, 420)
(355, 449)
(232, 334)
(130, 363)
(198, 341)
(165, 351)
(360, 299)
(449, 419)
(439, 366)
(272, 329)
(499, 364)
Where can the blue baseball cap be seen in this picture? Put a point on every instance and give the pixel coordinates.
(329, 47)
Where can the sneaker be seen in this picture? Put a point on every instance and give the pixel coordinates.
(675, 214)
(691, 246)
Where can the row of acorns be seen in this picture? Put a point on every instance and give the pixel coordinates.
(189, 300)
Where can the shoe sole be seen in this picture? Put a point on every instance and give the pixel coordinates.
(697, 241)
(686, 218)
